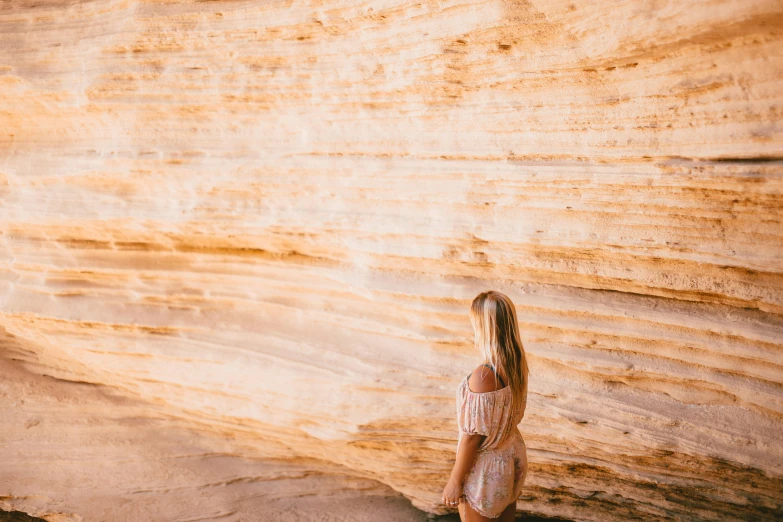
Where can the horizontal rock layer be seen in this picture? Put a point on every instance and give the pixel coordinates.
(273, 218)
(100, 455)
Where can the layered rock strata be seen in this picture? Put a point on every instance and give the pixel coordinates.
(78, 451)
(272, 217)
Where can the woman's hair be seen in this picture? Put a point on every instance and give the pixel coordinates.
(494, 320)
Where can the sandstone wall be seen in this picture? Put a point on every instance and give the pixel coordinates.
(271, 217)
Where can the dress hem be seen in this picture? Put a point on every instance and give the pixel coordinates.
(484, 513)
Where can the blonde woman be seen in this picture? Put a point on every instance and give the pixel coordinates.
(491, 465)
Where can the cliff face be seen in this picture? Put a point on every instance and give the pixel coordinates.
(77, 452)
(272, 217)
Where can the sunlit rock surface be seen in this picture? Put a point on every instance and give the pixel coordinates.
(106, 457)
(271, 217)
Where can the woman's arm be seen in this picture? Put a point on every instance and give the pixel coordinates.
(465, 456)
(470, 443)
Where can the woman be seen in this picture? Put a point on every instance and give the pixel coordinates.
(491, 464)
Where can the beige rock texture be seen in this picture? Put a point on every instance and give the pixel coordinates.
(270, 218)
(79, 452)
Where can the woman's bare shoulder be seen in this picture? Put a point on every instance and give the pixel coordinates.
(487, 384)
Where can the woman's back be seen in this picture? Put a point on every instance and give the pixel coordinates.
(498, 473)
(489, 413)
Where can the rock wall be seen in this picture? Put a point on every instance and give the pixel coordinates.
(78, 452)
(271, 217)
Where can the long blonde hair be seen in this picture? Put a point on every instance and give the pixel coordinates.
(494, 320)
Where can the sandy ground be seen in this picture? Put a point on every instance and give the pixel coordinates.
(80, 452)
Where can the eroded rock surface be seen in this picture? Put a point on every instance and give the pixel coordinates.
(272, 217)
(77, 451)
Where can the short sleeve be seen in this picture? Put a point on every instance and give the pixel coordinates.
(476, 413)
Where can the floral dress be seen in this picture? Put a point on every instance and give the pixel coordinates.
(497, 475)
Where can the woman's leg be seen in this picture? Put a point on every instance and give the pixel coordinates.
(468, 514)
(462, 515)
(509, 513)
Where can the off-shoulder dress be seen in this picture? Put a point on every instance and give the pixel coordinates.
(497, 475)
